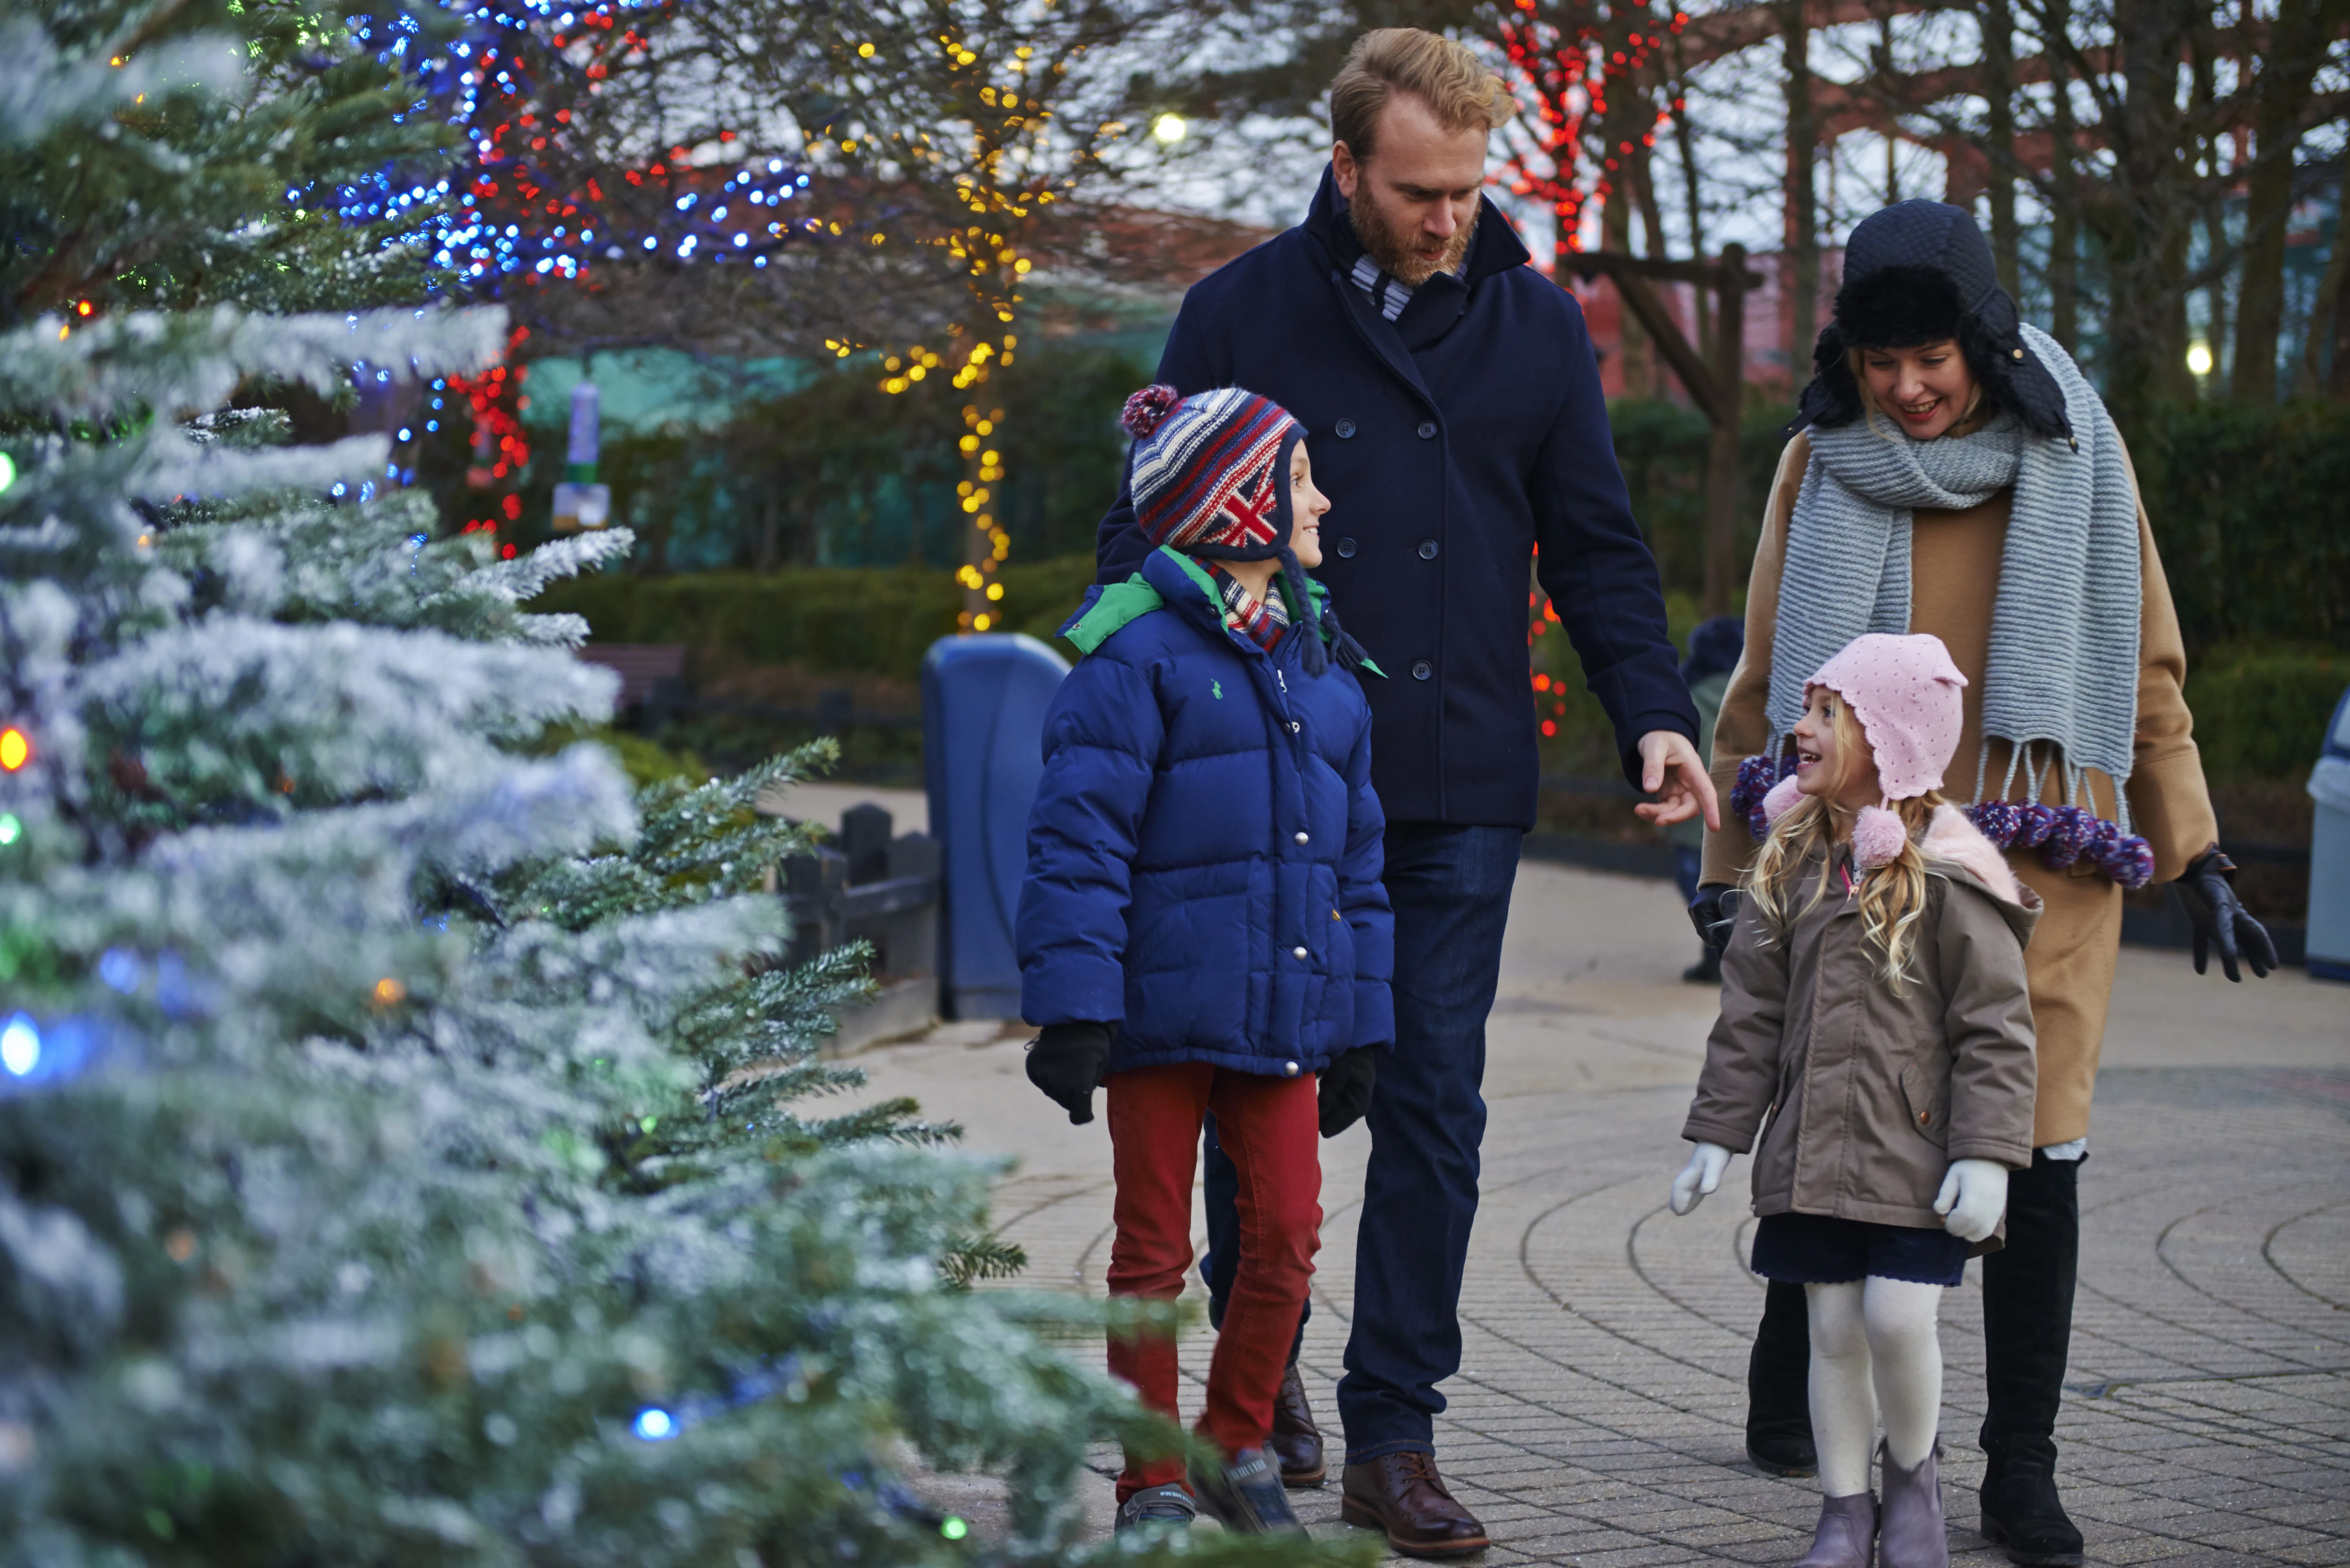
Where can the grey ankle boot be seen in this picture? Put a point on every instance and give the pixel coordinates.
(1910, 1535)
(1847, 1537)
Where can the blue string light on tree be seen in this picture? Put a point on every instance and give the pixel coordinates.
(527, 205)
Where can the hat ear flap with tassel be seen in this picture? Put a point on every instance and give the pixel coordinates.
(1877, 837)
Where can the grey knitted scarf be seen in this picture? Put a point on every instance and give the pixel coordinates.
(2064, 627)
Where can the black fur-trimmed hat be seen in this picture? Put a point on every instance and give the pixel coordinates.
(1919, 272)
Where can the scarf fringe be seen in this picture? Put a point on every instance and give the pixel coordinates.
(2063, 834)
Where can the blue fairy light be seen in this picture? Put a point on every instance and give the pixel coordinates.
(20, 1046)
(119, 968)
(654, 1424)
(407, 434)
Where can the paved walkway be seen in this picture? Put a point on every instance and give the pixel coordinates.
(1598, 1416)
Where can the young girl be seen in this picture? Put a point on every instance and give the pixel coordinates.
(1202, 926)
(1874, 1009)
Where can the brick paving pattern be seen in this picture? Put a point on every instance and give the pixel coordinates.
(1598, 1417)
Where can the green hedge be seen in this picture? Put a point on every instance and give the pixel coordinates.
(2261, 713)
(2251, 509)
(832, 619)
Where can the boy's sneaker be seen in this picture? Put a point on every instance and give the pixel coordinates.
(1245, 1495)
(1168, 1505)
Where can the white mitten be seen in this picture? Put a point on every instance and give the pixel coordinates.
(1973, 1197)
(1700, 1175)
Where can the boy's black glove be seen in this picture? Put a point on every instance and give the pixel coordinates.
(1714, 913)
(2205, 887)
(1068, 1062)
(1343, 1094)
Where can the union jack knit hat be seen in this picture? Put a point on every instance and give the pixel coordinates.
(1211, 478)
(1212, 471)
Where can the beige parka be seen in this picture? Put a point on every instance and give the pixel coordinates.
(1870, 1097)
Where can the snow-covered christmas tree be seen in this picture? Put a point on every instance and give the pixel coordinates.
(405, 1153)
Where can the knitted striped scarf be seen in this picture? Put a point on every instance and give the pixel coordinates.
(1260, 621)
(2063, 663)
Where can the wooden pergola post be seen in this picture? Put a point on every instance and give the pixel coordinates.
(1718, 389)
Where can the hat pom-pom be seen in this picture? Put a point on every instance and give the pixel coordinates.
(1781, 799)
(1147, 408)
(1876, 838)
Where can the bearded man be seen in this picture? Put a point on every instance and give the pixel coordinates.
(1451, 399)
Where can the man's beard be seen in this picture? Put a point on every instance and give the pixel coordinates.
(1392, 247)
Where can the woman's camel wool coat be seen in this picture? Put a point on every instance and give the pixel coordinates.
(1954, 580)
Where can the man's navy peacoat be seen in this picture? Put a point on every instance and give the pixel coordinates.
(1453, 442)
(1204, 851)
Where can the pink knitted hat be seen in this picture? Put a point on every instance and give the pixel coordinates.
(1907, 695)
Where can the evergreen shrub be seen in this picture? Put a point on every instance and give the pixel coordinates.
(830, 619)
(2251, 508)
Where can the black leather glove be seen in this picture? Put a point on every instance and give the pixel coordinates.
(1343, 1094)
(2206, 889)
(1714, 913)
(1068, 1062)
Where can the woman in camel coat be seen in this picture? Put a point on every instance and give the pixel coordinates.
(1953, 474)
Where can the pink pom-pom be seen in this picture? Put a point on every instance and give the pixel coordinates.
(1876, 838)
(1147, 408)
(1781, 800)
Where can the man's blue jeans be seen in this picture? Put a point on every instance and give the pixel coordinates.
(1451, 889)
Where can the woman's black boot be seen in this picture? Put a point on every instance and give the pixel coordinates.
(2027, 1333)
(2020, 1509)
(1779, 1387)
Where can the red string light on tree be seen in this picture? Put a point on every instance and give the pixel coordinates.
(1565, 65)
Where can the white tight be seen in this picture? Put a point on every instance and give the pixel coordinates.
(1874, 1348)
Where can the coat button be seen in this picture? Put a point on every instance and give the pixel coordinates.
(1300, 838)
(1345, 549)
(1427, 549)
(1427, 430)
(1294, 726)
(1297, 953)
(1346, 429)
(1422, 671)
(1289, 1069)
(1925, 1117)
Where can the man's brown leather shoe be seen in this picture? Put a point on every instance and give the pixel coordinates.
(1297, 1441)
(1403, 1495)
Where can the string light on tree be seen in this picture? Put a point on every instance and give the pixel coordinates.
(1568, 58)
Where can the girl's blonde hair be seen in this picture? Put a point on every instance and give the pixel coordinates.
(1857, 361)
(1892, 896)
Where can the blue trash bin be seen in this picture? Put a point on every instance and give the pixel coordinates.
(2328, 948)
(984, 704)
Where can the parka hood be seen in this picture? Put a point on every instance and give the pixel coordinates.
(1957, 850)
(1171, 579)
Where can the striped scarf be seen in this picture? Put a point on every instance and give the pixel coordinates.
(1260, 621)
(2063, 663)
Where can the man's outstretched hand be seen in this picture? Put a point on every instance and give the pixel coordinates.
(1672, 770)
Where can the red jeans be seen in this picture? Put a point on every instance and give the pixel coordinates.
(1268, 1126)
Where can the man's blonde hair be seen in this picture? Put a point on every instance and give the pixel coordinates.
(1455, 85)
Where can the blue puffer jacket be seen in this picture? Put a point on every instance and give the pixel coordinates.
(1204, 852)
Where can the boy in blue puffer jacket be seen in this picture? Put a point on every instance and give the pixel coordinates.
(1202, 927)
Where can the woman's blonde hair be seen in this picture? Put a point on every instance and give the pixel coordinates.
(1857, 361)
(1892, 896)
